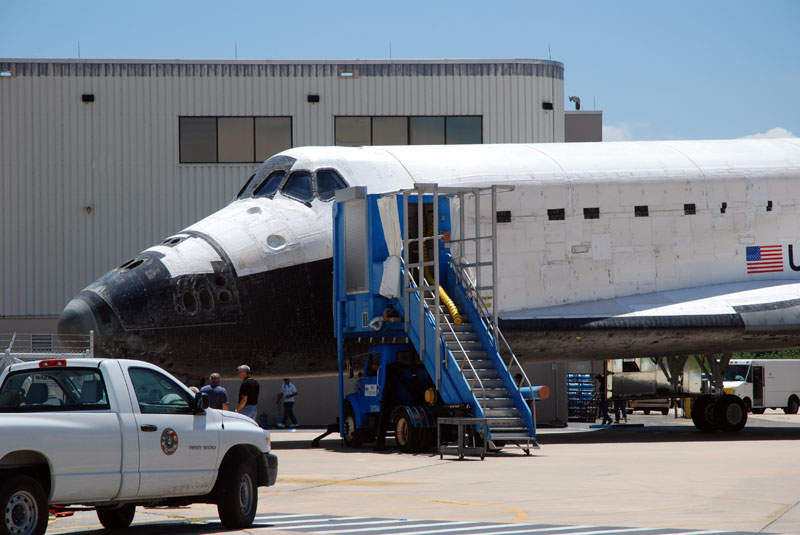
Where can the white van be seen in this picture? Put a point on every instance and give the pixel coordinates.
(765, 383)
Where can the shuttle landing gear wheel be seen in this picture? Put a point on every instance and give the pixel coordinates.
(730, 413)
(758, 410)
(703, 413)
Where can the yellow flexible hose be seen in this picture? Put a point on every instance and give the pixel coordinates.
(443, 297)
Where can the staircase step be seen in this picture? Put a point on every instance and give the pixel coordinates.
(506, 424)
(521, 436)
(464, 336)
(503, 412)
(474, 346)
(494, 403)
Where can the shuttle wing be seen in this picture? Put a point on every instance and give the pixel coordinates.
(773, 304)
(717, 318)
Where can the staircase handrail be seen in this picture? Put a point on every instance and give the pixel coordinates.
(453, 331)
(486, 317)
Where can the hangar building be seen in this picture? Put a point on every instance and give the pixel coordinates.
(100, 159)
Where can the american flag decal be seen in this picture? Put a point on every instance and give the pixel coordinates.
(765, 259)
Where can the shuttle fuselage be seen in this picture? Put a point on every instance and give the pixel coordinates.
(610, 250)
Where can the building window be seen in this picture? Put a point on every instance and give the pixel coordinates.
(426, 131)
(641, 211)
(463, 130)
(591, 213)
(353, 131)
(273, 135)
(689, 209)
(556, 214)
(233, 139)
(405, 130)
(390, 131)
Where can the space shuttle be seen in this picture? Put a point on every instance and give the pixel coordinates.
(607, 251)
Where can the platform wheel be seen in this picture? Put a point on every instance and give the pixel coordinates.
(730, 413)
(703, 413)
(404, 433)
(351, 435)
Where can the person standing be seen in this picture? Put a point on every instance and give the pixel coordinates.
(287, 394)
(603, 394)
(217, 395)
(248, 393)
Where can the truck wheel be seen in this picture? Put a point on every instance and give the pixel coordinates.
(351, 436)
(23, 506)
(703, 413)
(404, 434)
(793, 406)
(664, 412)
(120, 517)
(238, 499)
(758, 410)
(729, 413)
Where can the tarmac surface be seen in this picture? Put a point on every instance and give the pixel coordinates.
(659, 477)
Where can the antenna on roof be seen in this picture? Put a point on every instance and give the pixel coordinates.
(236, 49)
(79, 50)
(549, 53)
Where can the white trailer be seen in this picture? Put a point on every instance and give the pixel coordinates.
(765, 383)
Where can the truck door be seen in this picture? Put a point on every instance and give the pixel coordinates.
(758, 386)
(178, 447)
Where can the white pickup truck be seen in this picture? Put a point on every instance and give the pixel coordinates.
(113, 434)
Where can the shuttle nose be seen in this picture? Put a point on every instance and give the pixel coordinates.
(76, 319)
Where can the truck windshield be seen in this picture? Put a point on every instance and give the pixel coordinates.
(54, 389)
(737, 372)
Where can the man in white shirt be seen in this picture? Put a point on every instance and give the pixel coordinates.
(287, 394)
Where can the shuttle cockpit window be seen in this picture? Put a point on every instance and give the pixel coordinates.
(298, 187)
(270, 185)
(328, 181)
(246, 185)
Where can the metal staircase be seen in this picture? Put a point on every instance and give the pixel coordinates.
(493, 398)
(466, 362)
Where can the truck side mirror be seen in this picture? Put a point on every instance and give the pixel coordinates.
(349, 364)
(201, 401)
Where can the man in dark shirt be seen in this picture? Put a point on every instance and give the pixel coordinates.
(217, 395)
(248, 393)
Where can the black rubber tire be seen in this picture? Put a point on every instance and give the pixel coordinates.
(748, 405)
(238, 498)
(758, 410)
(703, 413)
(646, 411)
(404, 434)
(118, 518)
(23, 506)
(793, 406)
(351, 435)
(730, 413)
(665, 411)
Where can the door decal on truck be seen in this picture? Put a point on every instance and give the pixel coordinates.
(169, 441)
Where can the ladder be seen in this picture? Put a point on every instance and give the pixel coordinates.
(467, 353)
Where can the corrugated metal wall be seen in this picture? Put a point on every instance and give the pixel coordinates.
(85, 186)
